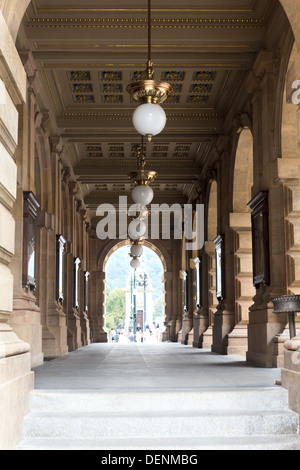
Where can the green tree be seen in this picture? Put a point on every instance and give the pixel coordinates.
(158, 309)
(115, 308)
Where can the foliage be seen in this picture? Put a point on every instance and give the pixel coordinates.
(158, 309)
(118, 270)
(115, 308)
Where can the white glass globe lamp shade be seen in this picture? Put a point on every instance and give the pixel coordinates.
(149, 119)
(135, 263)
(136, 251)
(143, 195)
(137, 229)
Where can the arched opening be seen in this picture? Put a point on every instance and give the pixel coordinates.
(240, 224)
(289, 169)
(134, 300)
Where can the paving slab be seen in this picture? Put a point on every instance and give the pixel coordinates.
(150, 366)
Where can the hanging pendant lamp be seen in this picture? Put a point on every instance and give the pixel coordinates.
(149, 119)
(142, 193)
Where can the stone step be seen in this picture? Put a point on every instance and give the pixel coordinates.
(100, 425)
(279, 443)
(168, 419)
(189, 401)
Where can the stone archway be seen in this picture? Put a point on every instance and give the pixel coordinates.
(154, 282)
(240, 224)
(159, 248)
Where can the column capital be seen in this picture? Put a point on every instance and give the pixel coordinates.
(33, 77)
(73, 188)
(57, 145)
(266, 63)
(66, 174)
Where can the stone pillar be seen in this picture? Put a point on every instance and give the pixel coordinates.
(53, 315)
(73, 318)
(169, 333)
(291, 372)
(210, 256)
(201, 316)
(187, 320)
(26, 317)
(240, 224)
(84, 320)
(200, 298)
(224, 317)
(16, 379)
(265, 350)
(85, 309)
(192, 300)
(97, 289)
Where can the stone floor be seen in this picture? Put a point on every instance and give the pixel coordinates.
(150, 366)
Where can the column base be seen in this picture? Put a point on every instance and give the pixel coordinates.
(16, 384)
(74, 332)
(179, 337)
(85, 330)
(26, 322)
(223, 325)
(200, 327)
(55, 334)
(264, 331)
(102, 337)
(265, 348)
(207, 338)
(291, 372)
(238, 341)
(190, 338)
(187, 328)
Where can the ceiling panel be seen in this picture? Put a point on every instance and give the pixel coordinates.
(86, 57)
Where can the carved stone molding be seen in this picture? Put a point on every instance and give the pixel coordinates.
(211, 175)
(242, 121)
(73, 188)
(266, 63)
(57, 145)
(66, 174)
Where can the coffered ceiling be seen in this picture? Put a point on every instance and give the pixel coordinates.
(87, 52)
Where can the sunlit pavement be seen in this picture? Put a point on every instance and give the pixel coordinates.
(150, 366)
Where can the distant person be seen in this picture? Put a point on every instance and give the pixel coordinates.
(112, 335)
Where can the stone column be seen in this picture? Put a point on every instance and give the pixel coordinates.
(73, 318)
(192, 300)
(84, 320)
(16, 379)
(240, 224)
(224, 317)
(210, 256)
(169, 334)
(26, 317)
(291, 372)
(264, 327)
(85, 309)
(52, 312)
(102, 336)
(187, 320)
(201, 318)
